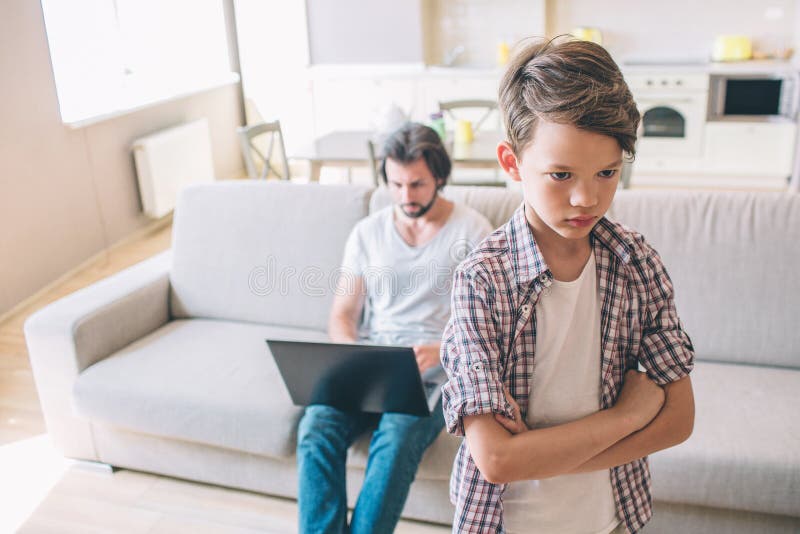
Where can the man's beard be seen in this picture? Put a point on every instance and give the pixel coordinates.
(422, 209)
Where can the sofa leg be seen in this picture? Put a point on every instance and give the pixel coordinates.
(96, 467)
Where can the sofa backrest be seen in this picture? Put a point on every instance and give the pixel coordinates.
(268, 253)
(496, 203)
(733, 258)
(261, 252)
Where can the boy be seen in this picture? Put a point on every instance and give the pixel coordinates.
(552, 314)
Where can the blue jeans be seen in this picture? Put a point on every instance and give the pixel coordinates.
(395, 451)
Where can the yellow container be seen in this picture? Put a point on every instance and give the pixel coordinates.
(463, 134)
(732, 48)
(503, 52)
(585, 33)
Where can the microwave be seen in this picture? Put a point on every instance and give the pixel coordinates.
(753, 97)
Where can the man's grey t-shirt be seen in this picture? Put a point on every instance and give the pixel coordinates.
(408, 288)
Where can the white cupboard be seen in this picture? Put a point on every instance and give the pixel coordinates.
(757, 148)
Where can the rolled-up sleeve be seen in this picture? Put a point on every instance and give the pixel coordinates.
(666, 350)
(470, 353)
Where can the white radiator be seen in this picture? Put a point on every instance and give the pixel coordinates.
(169, 160)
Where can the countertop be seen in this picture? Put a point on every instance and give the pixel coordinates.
(420, 70)
(401, 70)
(711, 67)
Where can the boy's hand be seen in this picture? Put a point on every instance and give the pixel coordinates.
(640, 399)
(516, 425)
(427, 356)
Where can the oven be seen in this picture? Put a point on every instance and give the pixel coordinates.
(753, 97)
(673, 110)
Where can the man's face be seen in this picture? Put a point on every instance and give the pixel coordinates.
(569, 177)
(413, 186)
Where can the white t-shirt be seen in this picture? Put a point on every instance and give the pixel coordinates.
(565, 387)
(409, 287)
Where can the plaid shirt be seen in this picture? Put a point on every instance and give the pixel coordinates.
(491, 337)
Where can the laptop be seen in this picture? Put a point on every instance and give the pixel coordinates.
(355, 378)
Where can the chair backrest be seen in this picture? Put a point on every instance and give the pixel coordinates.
(253, 139)
(377, 179)
(476, 110)
(627, 169)
(373, 162)
(625, 174)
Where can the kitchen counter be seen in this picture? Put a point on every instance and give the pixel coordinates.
(753, 67)
(420, 70)
(402, 70)
(711, 67)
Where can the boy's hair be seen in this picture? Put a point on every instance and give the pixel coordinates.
(413, 141)
(566, 81)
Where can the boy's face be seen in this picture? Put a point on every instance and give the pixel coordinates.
(569, 177)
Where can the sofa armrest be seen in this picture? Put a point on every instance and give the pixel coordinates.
(69, 335)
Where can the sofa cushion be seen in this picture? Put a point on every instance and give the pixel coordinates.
(495, 203)
(261, 252)
(206, 381)
(744, 451)
(733, 258)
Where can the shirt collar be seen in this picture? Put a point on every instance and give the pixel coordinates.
(608, 234)
(526, 258)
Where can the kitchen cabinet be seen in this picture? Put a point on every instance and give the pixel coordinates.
(750, 148)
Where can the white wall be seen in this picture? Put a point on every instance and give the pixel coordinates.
(66, 194)
(478, 26)
(364, 31)
(635, 29)
(675, 29)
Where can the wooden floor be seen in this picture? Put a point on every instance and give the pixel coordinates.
(40, 492)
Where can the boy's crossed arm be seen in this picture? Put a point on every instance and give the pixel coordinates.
(503, 456)
(633, 428)
(672, 425)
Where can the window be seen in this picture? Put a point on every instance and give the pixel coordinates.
(110, 56)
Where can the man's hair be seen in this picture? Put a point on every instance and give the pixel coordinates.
(413, 141)
(566, 81)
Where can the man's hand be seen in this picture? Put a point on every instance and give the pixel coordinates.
(515, 425)
(346, 310)
(427, 356)
(640, 399)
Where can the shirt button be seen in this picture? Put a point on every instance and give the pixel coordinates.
(477, 366)
(526, 308)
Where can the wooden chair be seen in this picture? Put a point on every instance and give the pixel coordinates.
(627, 169)
(477, 111)
(252, 140)
(373, 163)
(482, 109)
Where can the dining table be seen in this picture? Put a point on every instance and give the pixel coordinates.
(349, 148)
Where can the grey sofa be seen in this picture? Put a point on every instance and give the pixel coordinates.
(163, 367)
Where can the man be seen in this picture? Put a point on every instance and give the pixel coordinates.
(394, 289)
